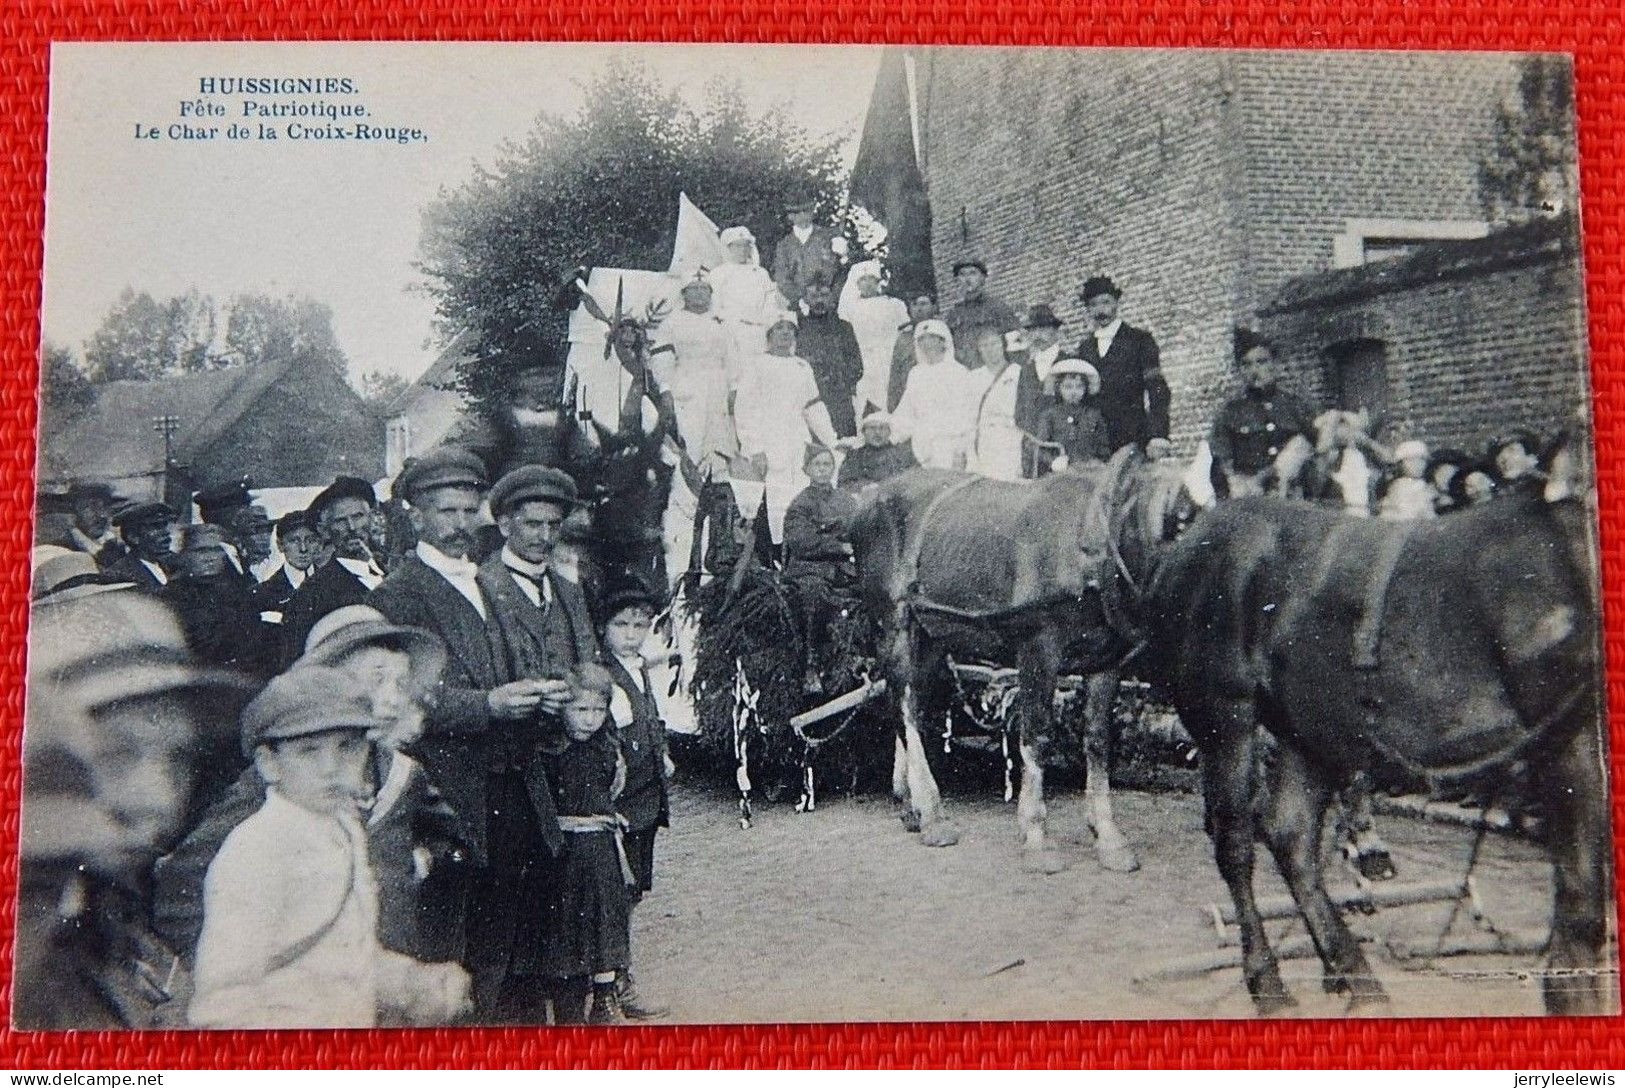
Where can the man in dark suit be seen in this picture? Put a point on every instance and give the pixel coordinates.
(146, 528)
(477, 716)
(297, 539)
(343, 517)
(543, 625)
(1133, 393)
(807, 253)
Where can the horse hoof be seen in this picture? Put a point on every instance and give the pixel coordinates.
(1376, 865)
(1047, 862)
(911, 821)
(939, 833)
(1117, 859)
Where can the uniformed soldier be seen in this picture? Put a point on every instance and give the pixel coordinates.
(1260, 437)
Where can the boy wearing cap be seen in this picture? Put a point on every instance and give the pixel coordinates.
(642, 804)
(290, 915)
(297, 540)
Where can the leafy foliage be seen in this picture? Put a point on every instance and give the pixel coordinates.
(601, 189)
(1532, 170)
(142, 338)
(379, 387)
(64, 387)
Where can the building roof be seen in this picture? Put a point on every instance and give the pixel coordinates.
(115, 436)
(1539, 240)
(440, 373)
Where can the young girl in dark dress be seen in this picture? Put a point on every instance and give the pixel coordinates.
(587, 923)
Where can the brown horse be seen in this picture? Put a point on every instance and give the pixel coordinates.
(1446, 646)
(1048, 573)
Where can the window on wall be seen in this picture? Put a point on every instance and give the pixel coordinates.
(1364, 241)
(1357, 377)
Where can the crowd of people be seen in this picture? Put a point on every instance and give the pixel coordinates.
(403, 763)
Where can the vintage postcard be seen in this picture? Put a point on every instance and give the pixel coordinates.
(551, 534)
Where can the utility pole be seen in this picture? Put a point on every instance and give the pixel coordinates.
(167, 426)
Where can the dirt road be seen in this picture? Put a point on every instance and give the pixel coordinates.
(841, 915)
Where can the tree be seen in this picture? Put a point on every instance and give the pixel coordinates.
(379, 387)
(261, 328)
(64, 387)
(600, 189)
(1532, 169)
(143, 338)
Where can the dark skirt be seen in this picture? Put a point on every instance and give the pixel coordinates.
(587, 927)
(640, 854)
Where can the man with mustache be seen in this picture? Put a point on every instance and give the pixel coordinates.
(479, 711)
(343, 517)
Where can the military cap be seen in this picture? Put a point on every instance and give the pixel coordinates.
(305, 701)
(443, 466)
(342, 487)
(1040, 317)
(1095, 286)
(533, 483)
(216, 503)
(137, 514)
(972, 262)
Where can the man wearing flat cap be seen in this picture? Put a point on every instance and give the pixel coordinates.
(976, 310)
(807, 253)
(1134, 395)
(544, 626)
(146, 529)
(480, 707)
(342, 516)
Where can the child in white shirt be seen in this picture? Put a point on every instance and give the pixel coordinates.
(290, 905)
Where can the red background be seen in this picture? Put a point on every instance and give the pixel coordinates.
(1593, 30)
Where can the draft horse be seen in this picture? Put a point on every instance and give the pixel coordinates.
(1044, 575)
(1447, 646)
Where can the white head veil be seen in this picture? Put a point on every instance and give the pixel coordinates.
(849, 289)
(730, 235)
(934, 327)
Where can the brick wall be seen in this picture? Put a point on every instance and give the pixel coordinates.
(1330, 136)
(1468, 357)
(1200, 181)
(1054, 165)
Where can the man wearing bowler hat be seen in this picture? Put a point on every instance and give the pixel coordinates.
(146, 528)
(543, 625)
(1041, 333)
(1133, 393)
(342, 515)
(976, 310)
(807, 253)
(481, 712)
